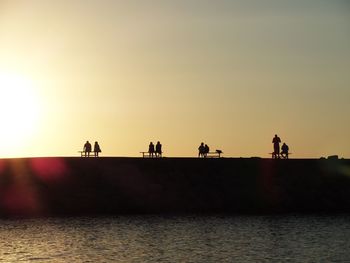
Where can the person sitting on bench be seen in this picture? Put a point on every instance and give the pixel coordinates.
(158, 149)
(97, 149)
(285, 151)
(151, 149)
(206, 150)
(201, 150)
(87, 148)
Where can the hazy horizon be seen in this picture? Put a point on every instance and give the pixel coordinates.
(231, 74)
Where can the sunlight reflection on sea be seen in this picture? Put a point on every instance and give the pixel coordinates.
(177, 239)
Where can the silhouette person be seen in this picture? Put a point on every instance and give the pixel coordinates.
(206, 150)
(201, 150)
(151, 149)
(97, 149)
(158, 149)
(285, 151)
(87, 149)
(276, 147)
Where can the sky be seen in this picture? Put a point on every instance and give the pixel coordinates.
(228, 73)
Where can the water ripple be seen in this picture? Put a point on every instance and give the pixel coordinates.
(177, 239)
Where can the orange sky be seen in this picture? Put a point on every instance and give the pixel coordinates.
(227, 73)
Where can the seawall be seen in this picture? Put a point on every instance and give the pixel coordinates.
(112, 185)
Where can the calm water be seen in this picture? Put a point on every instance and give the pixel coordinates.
(177, 239)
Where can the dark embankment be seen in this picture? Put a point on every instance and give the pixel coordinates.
(78, 186)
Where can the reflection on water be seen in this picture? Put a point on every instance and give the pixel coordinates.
(177, 239)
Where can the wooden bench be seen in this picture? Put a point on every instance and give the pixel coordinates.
(284, 156)
(216, 154)
(148, 155)
(85, 154)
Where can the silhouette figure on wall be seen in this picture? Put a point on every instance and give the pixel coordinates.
(158, 149)
(206, 150)
(201, 150)
(87, 149)
(151, 149)
(97, 149)
(285, 151)
(276, 147)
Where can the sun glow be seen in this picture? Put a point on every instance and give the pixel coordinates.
(19, 113)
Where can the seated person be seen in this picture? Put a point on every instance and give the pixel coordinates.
(87, 149)
(285, 151)
(158, 149)
(206, 150)
(201, 150)
(151, 149)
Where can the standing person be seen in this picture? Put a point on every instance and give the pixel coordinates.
(276, 146)
(158, 149)
(206, 150)
(87, 148)
(285, 151)
(97, 149)
(201, 150)
(151, 149)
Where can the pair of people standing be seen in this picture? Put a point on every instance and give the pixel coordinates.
(87, 149)
(203, 150)
(157, 151)
(276, 148)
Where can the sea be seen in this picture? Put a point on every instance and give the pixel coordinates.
(174, 238)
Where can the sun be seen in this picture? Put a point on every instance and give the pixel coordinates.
(19, 112)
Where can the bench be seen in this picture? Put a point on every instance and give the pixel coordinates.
(147, 154)
(282, 156)
(216, 154)
(92, 154)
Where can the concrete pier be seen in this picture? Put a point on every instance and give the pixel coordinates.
(116, 185)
